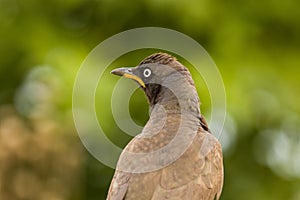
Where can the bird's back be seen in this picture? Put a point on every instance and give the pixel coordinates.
(197, 174)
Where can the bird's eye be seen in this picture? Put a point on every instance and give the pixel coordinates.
(147, 73)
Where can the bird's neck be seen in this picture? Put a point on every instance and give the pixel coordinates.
(185, 103)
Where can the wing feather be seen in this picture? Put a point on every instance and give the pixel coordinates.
(119, 186)
(201, 179)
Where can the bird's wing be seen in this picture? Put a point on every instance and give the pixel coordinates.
(198, 174)
(118, 186)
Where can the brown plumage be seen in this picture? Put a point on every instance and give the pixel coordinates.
(192, 172)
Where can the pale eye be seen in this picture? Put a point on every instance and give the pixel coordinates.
(147, 72)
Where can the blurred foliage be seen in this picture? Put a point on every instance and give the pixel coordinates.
(43, 43)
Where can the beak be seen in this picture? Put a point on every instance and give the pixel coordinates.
(127, 73)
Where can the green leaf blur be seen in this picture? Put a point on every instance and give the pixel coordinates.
(256, 46)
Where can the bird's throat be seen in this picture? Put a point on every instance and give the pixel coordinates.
(186, 102)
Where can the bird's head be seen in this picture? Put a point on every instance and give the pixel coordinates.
(163, 79)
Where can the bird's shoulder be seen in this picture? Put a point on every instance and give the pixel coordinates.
(199, 171)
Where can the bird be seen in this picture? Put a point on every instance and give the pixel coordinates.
(175, 156)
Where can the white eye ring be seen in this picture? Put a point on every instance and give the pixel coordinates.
(147, 73)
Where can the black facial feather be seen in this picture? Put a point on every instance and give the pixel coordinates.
(152, 90)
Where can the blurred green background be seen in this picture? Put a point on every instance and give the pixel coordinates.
(256, 46)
